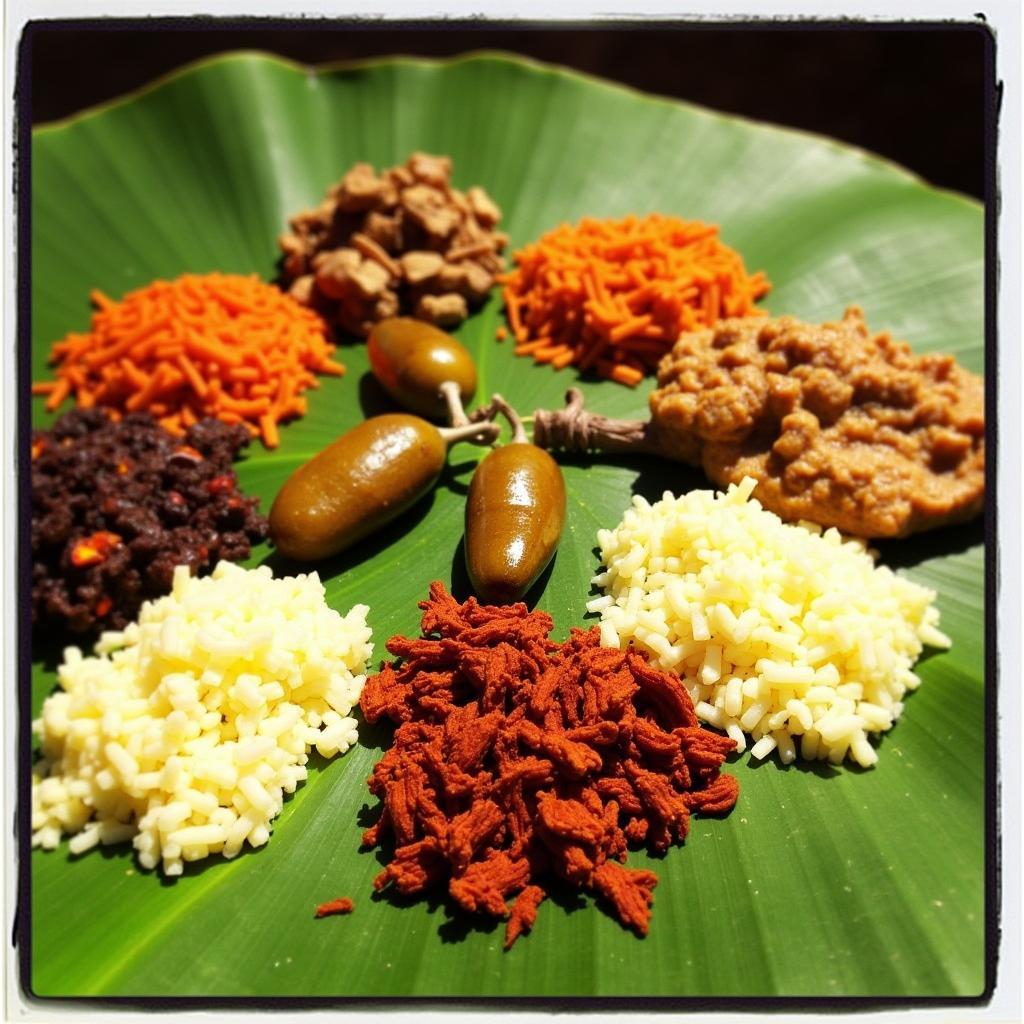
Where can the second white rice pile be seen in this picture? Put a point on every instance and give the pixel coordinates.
(185, 731)
(785, 633)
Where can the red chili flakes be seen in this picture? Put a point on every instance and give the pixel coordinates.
(517, 759)
(94, 549)
(342, 905)
(223, 484)
(186, 453)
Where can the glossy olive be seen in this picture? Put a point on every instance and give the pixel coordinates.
(412, 359)
(364, 479)
(514, 516)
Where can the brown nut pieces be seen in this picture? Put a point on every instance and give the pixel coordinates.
(403, 242)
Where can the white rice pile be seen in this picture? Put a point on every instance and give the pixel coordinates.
(777, 631)
(185, 731)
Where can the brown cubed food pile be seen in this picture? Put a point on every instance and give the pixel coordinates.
(404, 242)
(518, 760)
(118, 503)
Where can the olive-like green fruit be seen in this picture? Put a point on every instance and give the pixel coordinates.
(364, 479)
(514, 516)
(412, 359)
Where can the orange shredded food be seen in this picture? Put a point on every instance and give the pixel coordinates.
(612, 297)
(223, 345)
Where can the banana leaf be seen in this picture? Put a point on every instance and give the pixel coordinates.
(823, 881)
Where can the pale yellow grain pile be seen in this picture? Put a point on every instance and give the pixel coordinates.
(781, 632)
(186, 730)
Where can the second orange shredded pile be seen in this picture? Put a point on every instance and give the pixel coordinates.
(221, 345)
(612, 297)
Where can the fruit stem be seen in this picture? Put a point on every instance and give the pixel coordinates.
(575, 430)
(514, 421)
(476, 433)
(453, 398)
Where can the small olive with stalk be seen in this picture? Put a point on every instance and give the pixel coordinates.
(412, 359)
(374, 472)
(515, 511)
(363, 480)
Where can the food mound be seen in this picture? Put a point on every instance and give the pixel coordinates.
(612, 296)
(116, 505)
(405, 242)
(784, 632)
(839, 426)
(518, 759)
(223, 345)
(185, 731)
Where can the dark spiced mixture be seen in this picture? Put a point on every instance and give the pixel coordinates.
(117, 505)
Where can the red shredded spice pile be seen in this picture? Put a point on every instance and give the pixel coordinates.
(517, 759)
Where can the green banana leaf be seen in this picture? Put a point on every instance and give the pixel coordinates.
(822, 881)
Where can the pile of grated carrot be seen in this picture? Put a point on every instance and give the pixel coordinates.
(612, 297)
(222, 345)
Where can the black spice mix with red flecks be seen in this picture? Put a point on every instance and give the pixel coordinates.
(117, 504)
